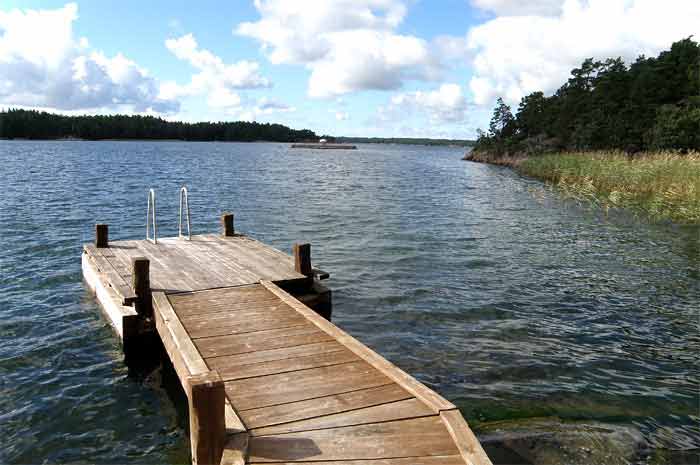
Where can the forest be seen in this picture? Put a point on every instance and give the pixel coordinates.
(651, 105)
(30, 124)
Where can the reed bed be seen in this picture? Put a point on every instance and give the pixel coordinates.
(661, 185)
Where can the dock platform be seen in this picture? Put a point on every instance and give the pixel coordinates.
(268, 377)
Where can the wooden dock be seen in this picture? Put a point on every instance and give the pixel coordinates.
(268, 377)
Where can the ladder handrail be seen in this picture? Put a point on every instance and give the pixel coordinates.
(183, 195)
(151, 199)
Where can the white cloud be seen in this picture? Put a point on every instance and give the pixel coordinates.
(263, 107)
(42, 65)
(342, 115)
(215, 79)
(447, 104)
(348, 45)
(513, 56)
(520, 7)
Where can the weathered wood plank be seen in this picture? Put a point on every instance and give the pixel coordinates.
(468, 445)
(184, 355)
(395, 439)
(206, 414)
(111, 302)
(430, 397)
(401, 410)
(261, 356)
(251, 310)
(320, 406)
(337, 357)
(104, 266)
(221, 328)
(301, 385)
(433, 460)
(260, 340)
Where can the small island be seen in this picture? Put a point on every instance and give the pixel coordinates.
(323, 144)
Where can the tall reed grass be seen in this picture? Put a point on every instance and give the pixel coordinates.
(661, 185)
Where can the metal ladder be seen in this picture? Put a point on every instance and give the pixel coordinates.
(183, 196)
(151, 216)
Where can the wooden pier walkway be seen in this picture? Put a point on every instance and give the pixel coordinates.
(268, 379)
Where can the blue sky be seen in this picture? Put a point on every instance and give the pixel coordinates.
(393, 68)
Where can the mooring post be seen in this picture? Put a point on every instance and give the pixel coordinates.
(141, 283)
(101, 235)
(227, 224)
(207, 418)
(302, 259)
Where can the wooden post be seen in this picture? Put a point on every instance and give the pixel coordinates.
(207, 418)
(101, 235)
(302, 259)
(141, 283)
(227, 224)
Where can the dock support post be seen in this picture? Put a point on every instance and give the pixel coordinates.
(101, 235)
(302, 259)
(227, 224)
(207, 418)
(141, 283)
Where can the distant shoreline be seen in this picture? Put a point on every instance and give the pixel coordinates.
(659, 185)
(427, 143)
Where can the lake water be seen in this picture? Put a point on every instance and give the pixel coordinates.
(515, 305)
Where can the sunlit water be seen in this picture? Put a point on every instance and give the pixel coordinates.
(483, 284)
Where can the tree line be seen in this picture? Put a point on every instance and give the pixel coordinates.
(31, 124)
(653, 104)
(401, 140)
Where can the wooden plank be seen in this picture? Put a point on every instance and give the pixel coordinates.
(433, 460)
(302, 385)
(260, 264)
(394, 439)
(221, 328)
(468, 445)
(117, 283)
(254, 255)
(184, 355)
(329, 405)
(110, 301)
(174, 270)
(251, 310)
(206, 414)
(337, 357)
(401, 410)
(430, 397)
(260, 340)
(261, 356)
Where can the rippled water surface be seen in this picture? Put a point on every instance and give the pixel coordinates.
(510, 302)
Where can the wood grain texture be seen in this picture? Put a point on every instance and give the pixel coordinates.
(205, 262)
(468, 445)
(432, 460)
(301, 385)
(395, 439)
(287, 365)
(186, 359)
(206, 414)
(323, 406)
(401, 410)
(260, 340)
(430, 397)
(114, 279)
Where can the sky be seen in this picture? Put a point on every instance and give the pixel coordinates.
(378, 68)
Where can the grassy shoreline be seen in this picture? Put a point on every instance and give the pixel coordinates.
(658, 185)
